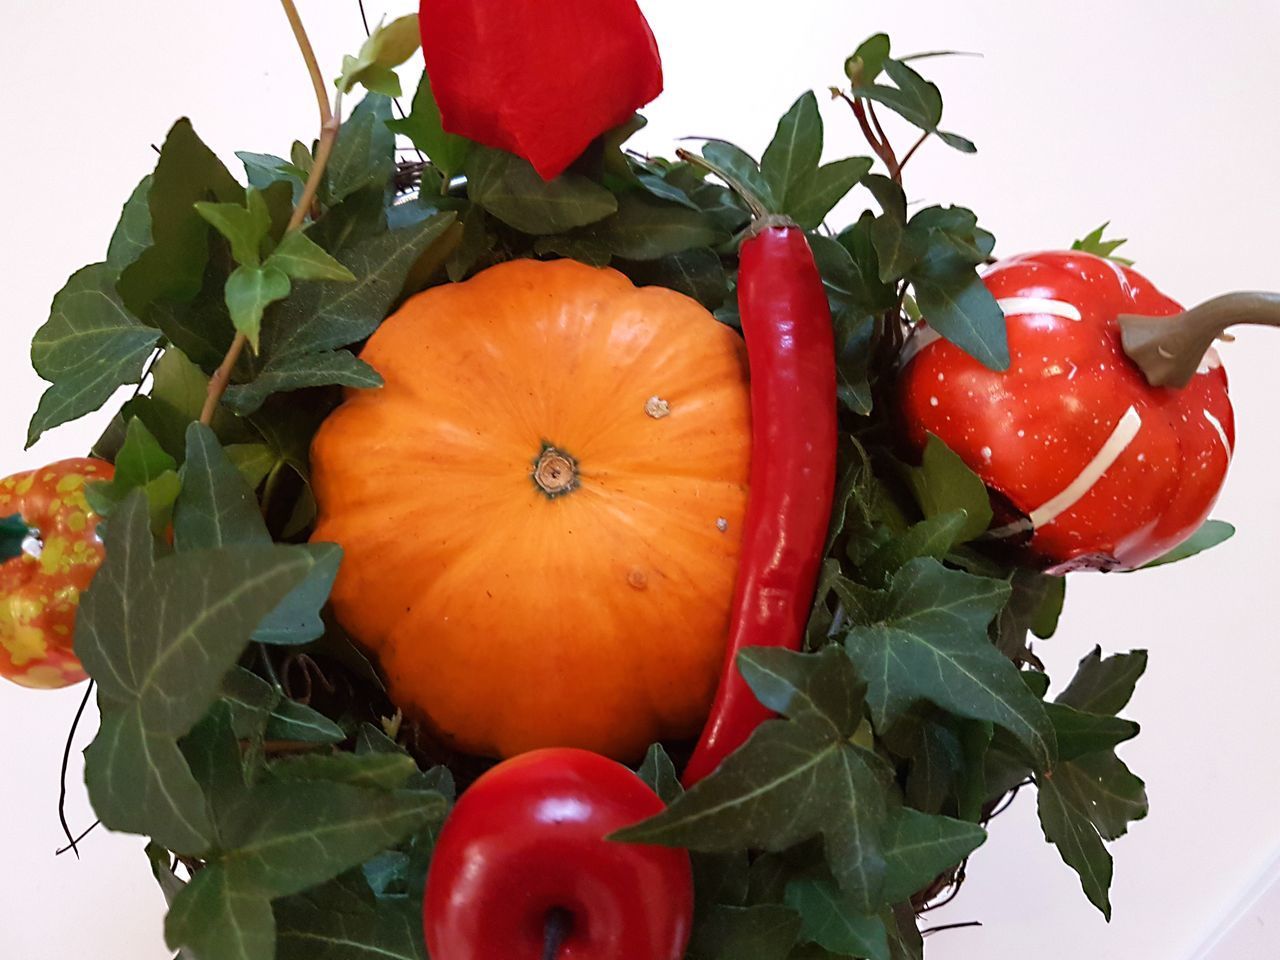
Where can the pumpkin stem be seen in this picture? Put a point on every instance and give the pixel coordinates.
(1170, 349)
(555, 472)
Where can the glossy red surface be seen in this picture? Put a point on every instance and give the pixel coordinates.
(539, 79)
(528, 838)
(1032, 432)
(791, 352)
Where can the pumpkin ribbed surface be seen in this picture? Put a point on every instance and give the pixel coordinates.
(541, 509)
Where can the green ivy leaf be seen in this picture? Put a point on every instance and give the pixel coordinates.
(1104, 686)
(90, 345)
(141, 464)
(813, 197)
(744, 169)
(943, 483)
(244, 225)
(295, 373)
(343, 920)
(159, 637)
(302, 259)
(259, 709)
(919, 847)
(933, 537)
(172, 267)
(447, 151)
(914, 98)
(787, 783)
(795, 149)
(959, 306)
(364, 153)
(829, 919)
(13, 534)
(659, 773)
(765, 932)
(388, 46)
(217, 509)
(133, 232)
(1210, 534)
(263, 170)
(926, 639)
(386, 771)
(898, 247)
(1069, 828)
(818, 690)
(697, 272)
(510, 189)
(250, 290)
(646, 229)
(1079, 732)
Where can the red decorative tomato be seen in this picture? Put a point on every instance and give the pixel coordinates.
(1094, 467)
(40, 588)
(523, 861)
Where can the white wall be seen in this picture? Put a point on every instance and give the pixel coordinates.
(1157, 114)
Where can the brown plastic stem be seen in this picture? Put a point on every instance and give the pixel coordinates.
(1170, 349)
(330, 121)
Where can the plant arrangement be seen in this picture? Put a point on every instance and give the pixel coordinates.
(537, 548)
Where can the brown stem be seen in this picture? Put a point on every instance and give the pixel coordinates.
(895, 168)
(330, 121)
(911, 153)
(1170, 349)
(879, 148)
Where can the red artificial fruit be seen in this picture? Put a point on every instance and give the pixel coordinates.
(536, 78)
(40, 588)
(522, 869)
(1095, 468)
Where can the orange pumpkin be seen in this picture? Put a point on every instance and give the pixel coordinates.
(541, 510)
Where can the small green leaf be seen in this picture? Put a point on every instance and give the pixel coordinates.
(90, 345)
(1104, 686)
(943, 483)
(697, 272)
(1095, 244)
(868, 60)
(386, 771)
(646, 229)
(140, 464)
(447, 151)
(1069, 828)
(388, 46)
(926, 639)
(172, 267)
(959, 306)
(215, 921)
(263, 170)
(744, 169)
(343, 921)
(302, 259)
(818, 690)
(957, 142)
(933, 537)
(253, 460)
(510, 189)
(1210, 534)
(795, 148)
(364, 154)
(914, 98)
(814, 195)
(898, 248)
(829, 919)
(294, 373)
(787, 783)
(659, 773)
(919, 847)
(133, 232)
(1079, 733)
(250, 290)
(14, 532)
(245, 226)
(765, 932)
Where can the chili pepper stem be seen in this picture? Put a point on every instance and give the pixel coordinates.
(330, 122)
(1170, 349)
(756, 205)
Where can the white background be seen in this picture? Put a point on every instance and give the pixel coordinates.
(1156, 114)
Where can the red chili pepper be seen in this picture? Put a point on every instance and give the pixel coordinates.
(1095, 468)
(791, 354)
(522, 869)
(539, 79)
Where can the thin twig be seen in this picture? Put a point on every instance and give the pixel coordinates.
(330, 121)
(66, 759)
(72, 845)
(950, 926)
(1006, 803)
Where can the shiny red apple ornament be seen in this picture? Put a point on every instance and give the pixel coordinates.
(525, 848)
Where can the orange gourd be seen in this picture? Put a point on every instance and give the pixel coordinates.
(541, 509)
